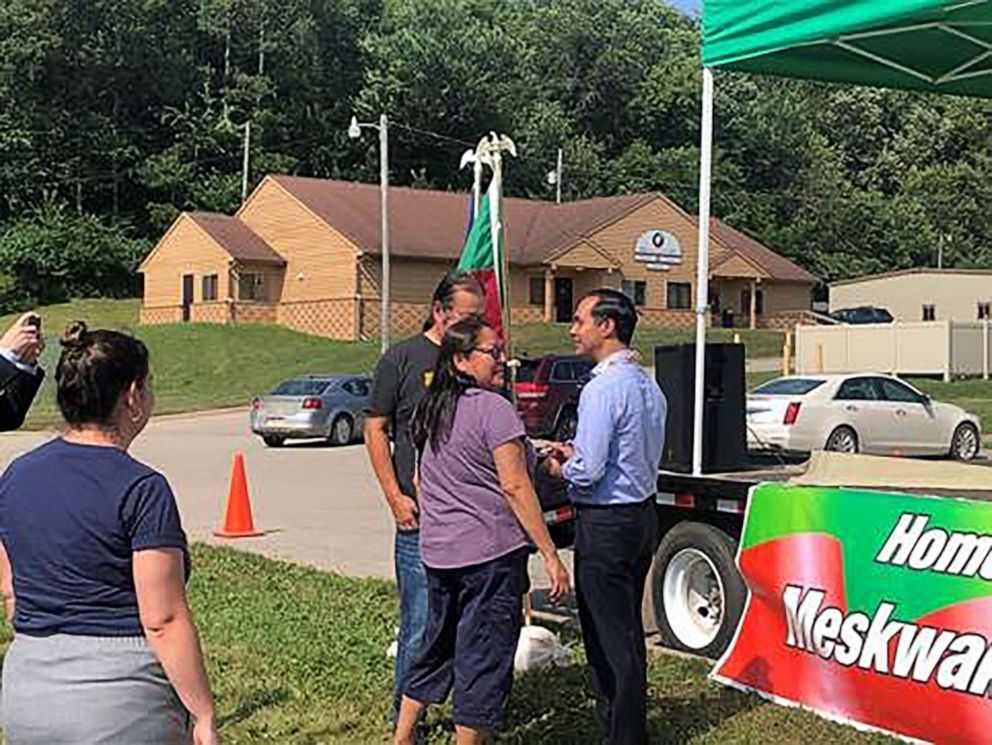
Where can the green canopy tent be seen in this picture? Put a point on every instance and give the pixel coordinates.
(922, 45)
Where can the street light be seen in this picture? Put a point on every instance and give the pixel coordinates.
(354, 132)
(554, 178)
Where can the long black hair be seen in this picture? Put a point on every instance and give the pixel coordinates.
(436, 411)
(444, 293)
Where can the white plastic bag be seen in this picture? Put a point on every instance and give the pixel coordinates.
(393, 648)
(538, 648)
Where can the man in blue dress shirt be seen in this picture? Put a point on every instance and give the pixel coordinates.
(612, 471)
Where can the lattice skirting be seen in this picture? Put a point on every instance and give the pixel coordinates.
(784, 320)
(254, 313)
(407, 318)
(210, 312)
(527, 314)
(334, 319)
(667, 318)
(156, 316)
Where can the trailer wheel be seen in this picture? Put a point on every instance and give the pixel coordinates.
(697, 591)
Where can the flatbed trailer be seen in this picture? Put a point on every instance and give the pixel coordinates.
(695, 592)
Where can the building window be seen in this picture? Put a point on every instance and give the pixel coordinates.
(209, 287)
(983, 312)
(636, 290)
(535, 290)
(929, 313)
(759, 302)
(250, 287)
(679, 296)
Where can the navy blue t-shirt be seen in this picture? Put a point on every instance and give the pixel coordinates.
(70, 517)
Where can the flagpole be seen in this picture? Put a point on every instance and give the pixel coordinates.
(496, 147)
(478, 158)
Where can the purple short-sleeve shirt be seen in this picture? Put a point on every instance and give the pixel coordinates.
(464, 516)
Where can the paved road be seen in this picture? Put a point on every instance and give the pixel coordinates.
(320, 505)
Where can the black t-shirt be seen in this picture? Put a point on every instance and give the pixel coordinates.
(401, 380)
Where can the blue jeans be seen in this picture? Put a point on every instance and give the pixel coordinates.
(411, 579)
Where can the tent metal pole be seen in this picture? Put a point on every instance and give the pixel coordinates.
(702, 268)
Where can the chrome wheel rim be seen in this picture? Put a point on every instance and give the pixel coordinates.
(966, 443)
(694, 598)
(843, 442)
(342, 430)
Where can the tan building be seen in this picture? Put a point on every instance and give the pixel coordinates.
(304, 253)
(920, 294)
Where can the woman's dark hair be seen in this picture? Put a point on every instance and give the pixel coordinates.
(445, 291)
(615, 306)
(93, 370)
(436, 411)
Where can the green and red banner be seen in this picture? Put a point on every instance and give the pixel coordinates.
(482, 257)
(869, 608)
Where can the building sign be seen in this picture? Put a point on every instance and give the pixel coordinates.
(658, 249)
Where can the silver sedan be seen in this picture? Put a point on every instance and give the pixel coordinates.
(329, 407)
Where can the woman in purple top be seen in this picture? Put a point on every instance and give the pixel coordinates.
(477, 510)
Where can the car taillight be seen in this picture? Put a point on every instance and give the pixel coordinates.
(532, 390)
(312, 403)
(791, 413)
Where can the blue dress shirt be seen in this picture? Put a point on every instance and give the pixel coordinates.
(620, 435)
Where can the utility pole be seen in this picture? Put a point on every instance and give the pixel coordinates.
(261, 48)
(244, 164)
(384, 205)
(940, 250)
(354, 132)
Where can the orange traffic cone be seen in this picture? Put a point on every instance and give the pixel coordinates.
(238, 522)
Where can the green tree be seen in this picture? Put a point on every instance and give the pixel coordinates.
(54, 254)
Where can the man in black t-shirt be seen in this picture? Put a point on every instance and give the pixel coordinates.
(401, 379)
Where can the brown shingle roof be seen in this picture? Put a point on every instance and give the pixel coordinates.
(422, 222)
(432, 224)
(776, 266)
(237, 238)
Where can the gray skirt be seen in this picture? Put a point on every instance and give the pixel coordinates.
(87, 689)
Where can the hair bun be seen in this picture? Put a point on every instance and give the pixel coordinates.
(73, 336)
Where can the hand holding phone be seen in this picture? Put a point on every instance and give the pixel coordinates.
(24, 340)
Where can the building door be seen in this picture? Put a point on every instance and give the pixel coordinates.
(563, 299)
(187, 295)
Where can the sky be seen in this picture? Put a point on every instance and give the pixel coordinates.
(689, 6)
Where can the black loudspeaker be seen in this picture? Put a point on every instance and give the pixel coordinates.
(724, 428)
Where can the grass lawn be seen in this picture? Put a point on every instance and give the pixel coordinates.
(297, 656)
(540, 338)
(203, 366)
(200, 366)
(974, 396)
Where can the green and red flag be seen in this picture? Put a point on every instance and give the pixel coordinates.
(869, 608)
(482, 257)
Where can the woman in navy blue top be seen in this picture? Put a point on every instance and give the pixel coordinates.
(93, 566)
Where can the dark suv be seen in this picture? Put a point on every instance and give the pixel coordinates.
(548, 394)
(863, 314)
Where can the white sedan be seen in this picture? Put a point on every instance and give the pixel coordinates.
(861, 413)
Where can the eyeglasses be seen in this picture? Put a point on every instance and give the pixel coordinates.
(494, 352)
